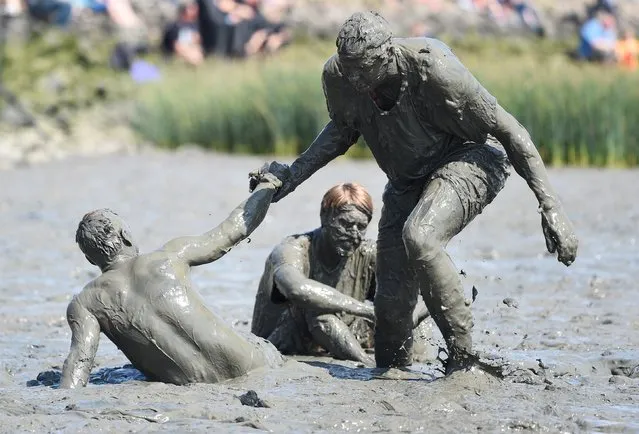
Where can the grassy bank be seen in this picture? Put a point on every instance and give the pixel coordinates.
(56, 72)
(576, 114)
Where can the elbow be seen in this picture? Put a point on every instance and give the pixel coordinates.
(288, 286)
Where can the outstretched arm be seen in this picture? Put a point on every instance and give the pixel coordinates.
(525, 158)
(313, 295)
(335, 138)
(329, 144)
(84, 344)
(244, 219)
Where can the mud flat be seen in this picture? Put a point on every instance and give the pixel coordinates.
(571, 334)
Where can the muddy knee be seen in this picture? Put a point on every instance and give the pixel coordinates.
(323, 323)
(423, 242)
(394, 325)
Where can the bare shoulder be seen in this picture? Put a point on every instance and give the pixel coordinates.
(86, 299)
(292, 247)
(150, 262)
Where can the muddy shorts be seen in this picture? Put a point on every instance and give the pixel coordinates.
(477, 172)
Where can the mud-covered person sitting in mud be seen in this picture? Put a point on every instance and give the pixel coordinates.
(427, 121)
(146, 305)
(317, 287)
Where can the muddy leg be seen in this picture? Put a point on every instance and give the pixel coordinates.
(439, 216)
(396, 293)
(335, 336)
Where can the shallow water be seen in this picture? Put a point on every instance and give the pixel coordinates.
(580, 323)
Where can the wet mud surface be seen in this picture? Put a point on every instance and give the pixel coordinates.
(571, 335)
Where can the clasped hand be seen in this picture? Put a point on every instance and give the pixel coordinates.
(278, 174)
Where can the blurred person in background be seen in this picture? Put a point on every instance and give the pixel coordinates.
(527, 14)
(627, 49)
(273, 35)
(609, 6)
(55, 12)
(12, 8)
(238, 29)
(182, 37)
(252, 32)
(598, 38)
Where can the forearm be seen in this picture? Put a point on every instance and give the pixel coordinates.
(212, 245)
(248, 215)
(525, 158)
(76, 370)
(328, 145)
(313, 295)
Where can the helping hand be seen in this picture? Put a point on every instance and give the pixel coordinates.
(560, 235)
(281, 173)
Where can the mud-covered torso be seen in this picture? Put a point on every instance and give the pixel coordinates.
(440, 108)
(151, 313)
(353, 276)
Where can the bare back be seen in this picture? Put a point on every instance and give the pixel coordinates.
(149, 310)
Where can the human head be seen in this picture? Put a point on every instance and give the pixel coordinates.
(345, 213)
(188, 11)
(364, 49)
(606, 19)
(102, 235)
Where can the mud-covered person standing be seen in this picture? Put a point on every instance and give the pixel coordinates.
(427, 121)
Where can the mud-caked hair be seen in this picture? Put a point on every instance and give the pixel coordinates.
(99, 236)
(361, 33)
(350, 193)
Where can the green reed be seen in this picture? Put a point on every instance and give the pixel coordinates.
(576, 115)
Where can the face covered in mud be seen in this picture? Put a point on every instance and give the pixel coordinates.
(364, 50)
(345, 228)
(365, 72)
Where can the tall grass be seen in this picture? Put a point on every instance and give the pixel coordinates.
(577, 115)
(273, 107)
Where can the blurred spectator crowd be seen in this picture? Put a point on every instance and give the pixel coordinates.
(605, 38)
(243, 28)
(227, 28)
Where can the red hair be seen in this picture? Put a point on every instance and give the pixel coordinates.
(349, 193)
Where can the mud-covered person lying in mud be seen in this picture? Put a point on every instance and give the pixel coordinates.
(317, 288)
(146, 304)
